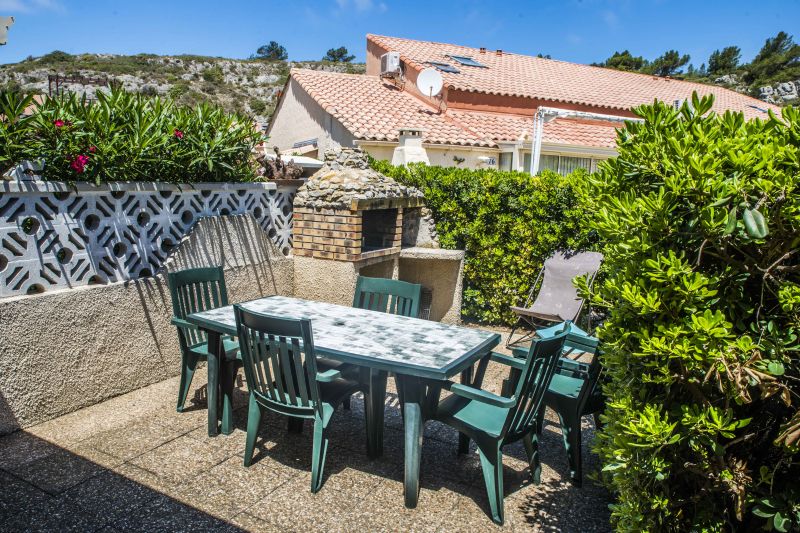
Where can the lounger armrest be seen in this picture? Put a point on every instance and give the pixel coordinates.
(183, 324)
(328, 375)
(482, 396)
(513, 362)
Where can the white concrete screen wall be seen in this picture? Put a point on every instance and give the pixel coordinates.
(57, 235)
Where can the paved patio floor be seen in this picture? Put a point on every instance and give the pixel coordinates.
(133, 464)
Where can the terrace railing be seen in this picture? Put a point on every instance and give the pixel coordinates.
(57, 235)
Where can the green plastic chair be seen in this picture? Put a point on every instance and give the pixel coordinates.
(192, 291)
(494, 421)
(388, 296)
(574, 390)
(280, 365)
(383, 295)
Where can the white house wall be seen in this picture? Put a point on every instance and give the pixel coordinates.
(438, 156)
(300, 118)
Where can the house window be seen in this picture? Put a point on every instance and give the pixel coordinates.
(468, 61)
(526, 162)
(562, 164)
(570, 164)
(506, 159)
(548, 162)
(444, 67)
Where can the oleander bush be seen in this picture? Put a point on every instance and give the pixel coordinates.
(507, 222)
(699, 217)
(123, 136)
(13, 130)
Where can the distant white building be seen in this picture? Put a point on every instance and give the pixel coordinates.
(484, 116)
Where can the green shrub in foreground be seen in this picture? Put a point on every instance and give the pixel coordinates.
(508, 223)
(700, 216)
(122, 136)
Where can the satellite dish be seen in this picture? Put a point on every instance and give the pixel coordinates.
(429, 82)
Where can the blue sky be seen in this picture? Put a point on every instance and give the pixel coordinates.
(572, 30)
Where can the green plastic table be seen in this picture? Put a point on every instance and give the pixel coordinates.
(423, 354)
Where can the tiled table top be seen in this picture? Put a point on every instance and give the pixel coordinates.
(379, 340)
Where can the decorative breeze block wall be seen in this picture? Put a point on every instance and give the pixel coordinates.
(57, 235)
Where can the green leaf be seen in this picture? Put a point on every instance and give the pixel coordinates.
(762, 512)
(721, 202)
(775, 368)
(731, 223)
(754, 223)
(781, 523)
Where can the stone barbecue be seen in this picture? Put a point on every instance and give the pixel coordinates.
(348, 212)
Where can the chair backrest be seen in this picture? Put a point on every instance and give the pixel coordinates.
(195, 290)
(557, 295)
(388, 296)
(533, 383)
(588, 372)
(577, 341)
(279, 361)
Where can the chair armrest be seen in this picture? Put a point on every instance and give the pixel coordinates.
(513, 362)
(572, 365)
(482, 396)
(328, 375)
(183, 323)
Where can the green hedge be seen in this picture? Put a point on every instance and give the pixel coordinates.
(122, 136)
(508, 223)
(700, 216)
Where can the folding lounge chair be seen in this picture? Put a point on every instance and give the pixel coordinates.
(557, 299)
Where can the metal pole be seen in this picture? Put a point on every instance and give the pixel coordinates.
(536, 146)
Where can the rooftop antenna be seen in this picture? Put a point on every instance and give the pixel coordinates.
(429, 82)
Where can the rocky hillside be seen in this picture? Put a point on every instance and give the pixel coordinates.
(250, 86)
(784, 93)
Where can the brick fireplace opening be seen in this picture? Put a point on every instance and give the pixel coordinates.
(379, 229)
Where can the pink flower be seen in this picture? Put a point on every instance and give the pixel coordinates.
(178, 134)
(79, 163)
(92, 149)
(59, 123)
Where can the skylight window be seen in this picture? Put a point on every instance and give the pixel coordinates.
(468, 61)
(444, 67)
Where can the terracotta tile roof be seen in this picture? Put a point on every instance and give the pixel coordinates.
(512, 128)
(581, 133)
(559, 81)
(372, 109)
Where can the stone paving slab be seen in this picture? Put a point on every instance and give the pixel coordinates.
(134, 464)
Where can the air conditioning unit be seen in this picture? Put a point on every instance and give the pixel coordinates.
(390, 65)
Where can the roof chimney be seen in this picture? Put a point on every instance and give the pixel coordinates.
(410, 149)
(483, 49)
(499, 52)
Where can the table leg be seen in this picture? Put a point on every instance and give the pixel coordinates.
(214, 349)
(413, 398)
(227, 380)
(375, 404)
(480, 371)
